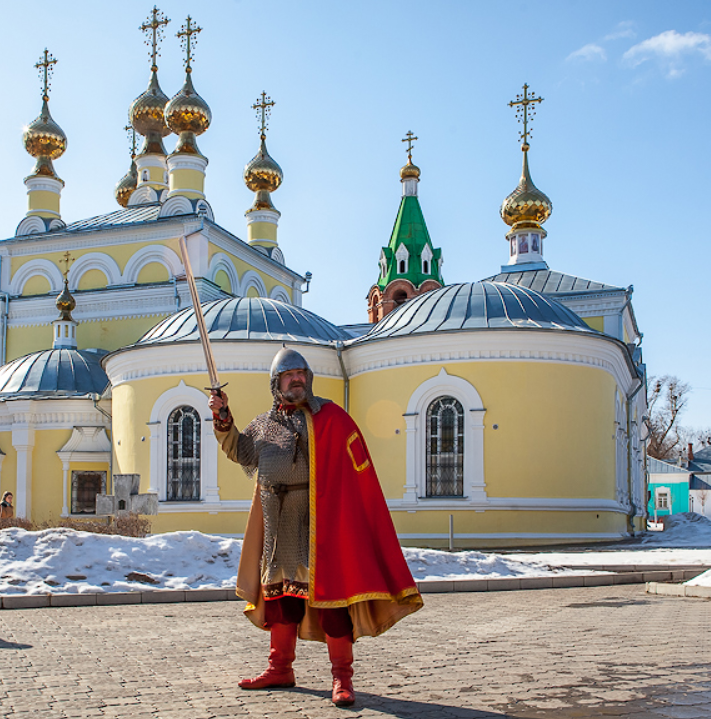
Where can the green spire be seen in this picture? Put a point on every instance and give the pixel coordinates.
(410, 254)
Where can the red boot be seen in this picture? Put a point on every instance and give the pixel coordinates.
(283, 652)
(340, 652)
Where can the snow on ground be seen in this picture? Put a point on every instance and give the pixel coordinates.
(64, 560)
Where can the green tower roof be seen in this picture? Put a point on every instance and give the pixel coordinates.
(410, 248)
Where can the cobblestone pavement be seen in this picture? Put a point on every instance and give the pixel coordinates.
(594, 652)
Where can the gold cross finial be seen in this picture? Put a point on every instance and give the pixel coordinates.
(409, 139)
(153, 28)
(131, 132)
(264, 110)
(45, 72)
(68, 259)
(186, 41)
(522, 112)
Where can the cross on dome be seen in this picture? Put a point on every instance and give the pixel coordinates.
(264, 110)
(186, 41)
(45, 72)
(521, 103)
(67, 261)
(409, 139)
(153, 28)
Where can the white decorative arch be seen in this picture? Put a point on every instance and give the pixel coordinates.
(143, 195)
(145, 256)
(251, 279)
(203, 207)
(221, 261)
(164, 405)
(176, 205)
(30, 225)
(441, 385)
(44, 268)
(279, 293)
(94, 261)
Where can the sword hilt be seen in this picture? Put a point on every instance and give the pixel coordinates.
(217, 391)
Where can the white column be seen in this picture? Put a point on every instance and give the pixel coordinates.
(410, 494)
(156, 450)
(23, 440)
(65, 482)
(210, 492)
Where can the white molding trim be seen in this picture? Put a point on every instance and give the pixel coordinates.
(152, 253)
(176, 205)
(279, 293)
(444, 384)
(144, 194)
(526, 504)
(222, 261)
(34, 267)
(515, 345)
(173, 398)
(94, 261)
(233, 505)
(251, 279)
(519, 535)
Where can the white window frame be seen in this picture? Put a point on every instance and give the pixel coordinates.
(426, 257)
(444, 384)
(402, 255)
(662, 493)
(164, 405)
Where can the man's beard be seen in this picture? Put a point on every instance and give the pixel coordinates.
(295, 393)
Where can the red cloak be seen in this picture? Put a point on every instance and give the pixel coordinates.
(355, 558)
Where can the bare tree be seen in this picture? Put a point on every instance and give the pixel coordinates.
(666, 399)
(703, 498)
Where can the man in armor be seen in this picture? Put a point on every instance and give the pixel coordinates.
(320, 557)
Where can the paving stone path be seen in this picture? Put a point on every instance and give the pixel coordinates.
(568, 653)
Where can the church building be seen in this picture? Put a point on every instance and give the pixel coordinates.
(513, 405)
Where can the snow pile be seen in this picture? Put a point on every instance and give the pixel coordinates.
(687, 529)
(65, 560)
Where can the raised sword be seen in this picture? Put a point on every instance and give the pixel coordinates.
(215, 386)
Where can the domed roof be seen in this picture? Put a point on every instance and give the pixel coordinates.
(147, 110)
(262, 172)
(52, 373)
(44, 137)
(410, 170)
(187, 111)
(477, 305)
(246, 318)
(126, 185)
(526, 206)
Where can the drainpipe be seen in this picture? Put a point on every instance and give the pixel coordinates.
(174, 282)
(5, 317)
(346, 381)
(633, 506)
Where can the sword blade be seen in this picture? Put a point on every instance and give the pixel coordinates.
(202, 329)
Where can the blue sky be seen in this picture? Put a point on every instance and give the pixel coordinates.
(619, 144)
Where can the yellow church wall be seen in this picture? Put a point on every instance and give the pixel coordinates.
(153, 272)
(40, 200)
(186, 180)
(241, 266)
(92, 280)
(596, 323)
(262, 231)
(131, 455)
(221, 523)
(47, 474)
(104, 334)
(576, 449)
(36, 285)
(252, 292)
(223, 281)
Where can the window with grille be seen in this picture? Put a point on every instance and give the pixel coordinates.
(445, 448)
(183, 455)
(85, 487)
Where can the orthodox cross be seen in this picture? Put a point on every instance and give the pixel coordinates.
(131, 131)
(188, 44)
(409, 139)
(154, 27)
(264, 110)
(68, 259)
(522, 111)
(45, 72)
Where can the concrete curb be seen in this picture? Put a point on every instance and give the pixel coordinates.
(657, 576)
(678, 590)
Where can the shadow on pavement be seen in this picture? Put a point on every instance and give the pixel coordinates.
(12, 645)
(405, 708)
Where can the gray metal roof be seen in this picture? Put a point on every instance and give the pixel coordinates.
(51, 373)
(126, 216)
(551, 283)
(479, 305)
(246, 318)
(659, 466)
(702, 461)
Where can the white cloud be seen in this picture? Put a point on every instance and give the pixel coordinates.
(620, 34)
(588, 53)
(670, 48)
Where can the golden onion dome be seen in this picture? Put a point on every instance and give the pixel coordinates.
(187, 111)
(409, 171)
(44, 137)
(526, 206)
(126, 185)
(147, 110)
(65, 303)
(262, 173)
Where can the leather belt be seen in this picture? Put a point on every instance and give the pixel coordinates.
(281, 489)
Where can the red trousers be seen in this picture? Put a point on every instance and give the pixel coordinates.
(291, 610)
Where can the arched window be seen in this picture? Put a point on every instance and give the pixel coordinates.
(425, 267)
(183, 455)
(402, 270)
(445, 448)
